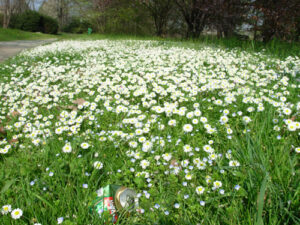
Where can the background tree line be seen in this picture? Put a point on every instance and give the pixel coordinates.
(263, 19)
(22, 14)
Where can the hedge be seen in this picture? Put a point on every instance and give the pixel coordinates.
(34, 22)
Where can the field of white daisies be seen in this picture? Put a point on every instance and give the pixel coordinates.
(206, 136)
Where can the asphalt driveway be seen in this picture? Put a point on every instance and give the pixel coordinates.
(11, 48)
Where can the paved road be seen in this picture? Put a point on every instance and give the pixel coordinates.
(12, 48)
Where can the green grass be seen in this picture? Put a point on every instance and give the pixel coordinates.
(14, 34)
(268, 174)
(275, 47)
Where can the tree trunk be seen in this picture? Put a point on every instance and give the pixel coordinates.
(268, 31)
(297, 36)
(7, 13)
(228, 29)
(255, 29)
(158, 25)
(193, 31)
(62, 12)
(219, 32)
(195, 26)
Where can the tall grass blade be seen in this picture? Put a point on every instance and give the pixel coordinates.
(43, 200)
(260, 201)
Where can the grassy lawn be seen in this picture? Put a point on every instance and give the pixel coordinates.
(275, 48)
(206, 132)
(14, 34)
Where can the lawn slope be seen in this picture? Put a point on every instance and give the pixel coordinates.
(14, 34)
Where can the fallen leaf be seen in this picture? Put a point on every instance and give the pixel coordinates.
(13, 141)
(174, 162)
(15, 113)
(79, 101)
(2, 130)
(72, 107)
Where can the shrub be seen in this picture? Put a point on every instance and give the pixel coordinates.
(28, 21)
(1, 20)
(15, 22)
(50, 25)
(34, 22)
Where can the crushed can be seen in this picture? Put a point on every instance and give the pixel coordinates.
(114, 199)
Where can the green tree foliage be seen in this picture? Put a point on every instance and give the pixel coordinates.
(267, 18)
(28, 21)
(77, 26)
(49, 25)
(116, 16)
(34, 22)
(127, 18)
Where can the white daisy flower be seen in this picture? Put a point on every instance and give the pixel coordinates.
(6, 209)
(98, 165)
(187, 128)
(200, 190)
(16, 214)
(85, 145)
(144, 164)
(67, 148)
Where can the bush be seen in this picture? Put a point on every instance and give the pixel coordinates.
(34, 22)
(50, 25)
(15, 22)
(1, 20)
(77, 26)
(28, 21)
